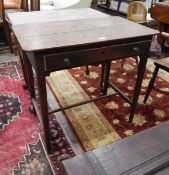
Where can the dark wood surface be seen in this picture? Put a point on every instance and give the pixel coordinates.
(160, 12)
(51, 46)
(34, 5)
(87, 31)
(54, 16)
(145, 153)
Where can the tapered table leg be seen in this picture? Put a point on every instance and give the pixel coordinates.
(44, 109)
(105, 77)
(24, 69)
(29, 78)
(42, 98)
(140, 76)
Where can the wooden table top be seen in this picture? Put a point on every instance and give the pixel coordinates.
(77, 31)
(53, 15)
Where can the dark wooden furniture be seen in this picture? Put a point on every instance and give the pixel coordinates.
(159, 64)
(45, 17)
(2, 39)
(145, 153)
(10, 7)
(1, 11)
(52, 46)
(34, 5)
(160, 12)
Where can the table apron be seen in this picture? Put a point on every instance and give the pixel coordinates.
(65, 60)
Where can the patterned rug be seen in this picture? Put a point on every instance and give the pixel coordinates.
(21, 147)
(95, 124)
(105, 121)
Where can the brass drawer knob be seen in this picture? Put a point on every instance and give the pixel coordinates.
(66, 61)
(136, 50)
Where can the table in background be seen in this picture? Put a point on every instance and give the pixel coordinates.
(145, 153)
(160, 12)
(57, 45)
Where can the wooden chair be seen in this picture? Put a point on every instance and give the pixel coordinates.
(34, 5)
(1, 8)
(1, 13)
(159, 64)
(3, 46)
(136, 12)
(1, 21)
(11, 6)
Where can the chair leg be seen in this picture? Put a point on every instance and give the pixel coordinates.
(7, 35)
(151, 83)
(105, 77)
(102, 76)
(87, 70)
(137, 60)
(122, 64)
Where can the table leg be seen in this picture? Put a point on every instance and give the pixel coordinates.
(140, 76)
(24, 69)
(102, 76)
(29, 77)
(44, 108)
(42, 102)
(43, 113)
(105, 77)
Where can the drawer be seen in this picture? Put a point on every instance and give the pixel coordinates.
(73, 59)
(65, 60)
(127, 50)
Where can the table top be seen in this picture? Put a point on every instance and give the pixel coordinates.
(77, 30)
(53, 15)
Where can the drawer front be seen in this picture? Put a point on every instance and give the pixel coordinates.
(66, 60)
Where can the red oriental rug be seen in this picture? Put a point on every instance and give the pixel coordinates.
(95, 124)
(106, 121)
(21, 147)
